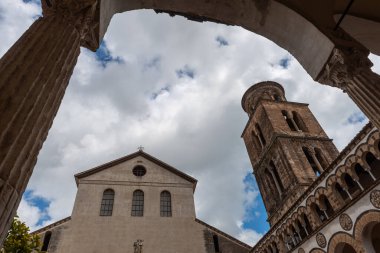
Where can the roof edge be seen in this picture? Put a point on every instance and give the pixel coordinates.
(131, 156)
(223, 233)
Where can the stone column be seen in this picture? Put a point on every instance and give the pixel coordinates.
(350, 70)
(275, 181)
(316, 161)
(34, 75)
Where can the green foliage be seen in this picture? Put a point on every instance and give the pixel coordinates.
(19, 240)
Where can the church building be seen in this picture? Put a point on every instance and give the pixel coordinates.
(317, 199)
(135, 204)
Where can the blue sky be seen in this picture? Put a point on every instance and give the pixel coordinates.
(177, 92)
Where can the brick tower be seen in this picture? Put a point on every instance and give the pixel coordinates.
(287, 147)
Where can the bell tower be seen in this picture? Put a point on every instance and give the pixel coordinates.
(287, 147)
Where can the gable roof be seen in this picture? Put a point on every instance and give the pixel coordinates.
(131, 156)
(220, 232)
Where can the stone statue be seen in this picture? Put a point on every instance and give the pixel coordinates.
(138, 246)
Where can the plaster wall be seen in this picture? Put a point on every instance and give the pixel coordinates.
(92, 233)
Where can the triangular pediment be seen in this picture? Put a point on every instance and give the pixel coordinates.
(122, 170)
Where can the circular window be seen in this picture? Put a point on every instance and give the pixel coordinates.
(139, 171)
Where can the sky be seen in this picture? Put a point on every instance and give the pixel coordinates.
(173, 86)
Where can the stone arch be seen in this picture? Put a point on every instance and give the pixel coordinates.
(363, 224)
(341, 170)
(316, 250)
(361, 151)
(348, 181)
(351, 160)
(374, 143)
(311, 212)
(267, 18)
(342, 237)
(335, 192)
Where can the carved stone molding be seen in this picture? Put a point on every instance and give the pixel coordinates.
(375, 198)
(343, 65)
(350, 70)
(301, 250)
(321, 240)
(82, 14)
(345, 221)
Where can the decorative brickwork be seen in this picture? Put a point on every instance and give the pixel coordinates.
(287, 146)
(345, 221)
(375, 198)
(321, 240)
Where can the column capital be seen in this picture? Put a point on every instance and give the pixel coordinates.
(84, 15)
(343, 65)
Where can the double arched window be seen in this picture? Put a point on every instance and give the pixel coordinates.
(138, 203)
(165, 204)
(106, 206)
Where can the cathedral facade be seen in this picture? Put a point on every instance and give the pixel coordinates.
(135, 204)
(317, 199)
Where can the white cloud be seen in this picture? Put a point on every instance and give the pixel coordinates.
(195, 125)
(249, 236)
(29, 214)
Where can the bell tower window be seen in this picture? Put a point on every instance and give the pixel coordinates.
(261, 136)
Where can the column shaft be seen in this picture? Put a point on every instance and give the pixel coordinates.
(34, 75)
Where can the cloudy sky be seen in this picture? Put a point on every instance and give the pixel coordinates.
(173, 86)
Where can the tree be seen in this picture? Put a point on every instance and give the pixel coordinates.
(19, 240)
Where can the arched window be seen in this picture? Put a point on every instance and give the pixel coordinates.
(351, 184)
(261, 136)
(341, 192)
(272, 187)
(138, 203)
(320, 214)
(288, 120)
(329, 210)
(299, 122)
(311, 161)
(216, 243)
(166, 204)
(373, 163)
(365, 178)
(320, 158)
(301, 230)
(276, 97)
(106, 206)
(297, 238)
(277, 176)
(307, 223)
(256, 142)
(47, 237)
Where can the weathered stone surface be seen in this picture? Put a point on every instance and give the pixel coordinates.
(276, 151)
(34, 75)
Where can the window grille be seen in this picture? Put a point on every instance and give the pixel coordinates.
(106, 206)
(166, 204)
(138, 203)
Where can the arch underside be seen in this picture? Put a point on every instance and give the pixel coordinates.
(270, 19)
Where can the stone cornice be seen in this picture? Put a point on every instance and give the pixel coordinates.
(57, 223)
